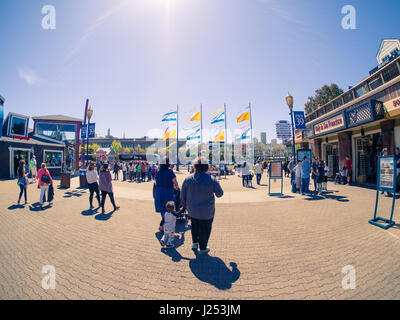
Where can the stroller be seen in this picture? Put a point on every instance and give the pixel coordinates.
(181, 217)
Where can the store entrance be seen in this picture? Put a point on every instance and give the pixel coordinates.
(19, 155)
(332, 158)
(368, 150)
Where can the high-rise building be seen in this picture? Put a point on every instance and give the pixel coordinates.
(264, 137)
(283, 129)
(274, 142)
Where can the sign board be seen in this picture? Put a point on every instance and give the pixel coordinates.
(92, 130)
(299, 120)
(301, 153)
(392, 107)
(275, 170)
(332, 124)
(84, 131)
(387, 174)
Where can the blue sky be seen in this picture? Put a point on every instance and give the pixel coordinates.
(137, 59)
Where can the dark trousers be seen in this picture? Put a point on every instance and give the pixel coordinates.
(201, 230)
(103, 198)
(245, 180)
(258, 178)
(116, 177)
(23, 191)
(124, 175)
(292, 178)
(94, 188)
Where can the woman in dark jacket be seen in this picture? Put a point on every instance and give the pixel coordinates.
(165, 183)
(106, 188)
(198, 197)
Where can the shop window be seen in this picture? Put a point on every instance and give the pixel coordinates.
(18, 126)
(360, 91)
(390, 73)
(60, 132)
(53, 159)
(375, 83)
(348, 97)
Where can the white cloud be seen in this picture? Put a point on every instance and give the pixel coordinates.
(28, 75)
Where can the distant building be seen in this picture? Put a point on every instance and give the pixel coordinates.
(264, 137)
(283, 129)
(274, 142)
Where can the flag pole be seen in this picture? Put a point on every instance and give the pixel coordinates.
(177, 137)
(226, 138)
(251, 129)
(201, 128)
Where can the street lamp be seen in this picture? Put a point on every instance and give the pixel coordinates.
(89, 116)
(289, 101)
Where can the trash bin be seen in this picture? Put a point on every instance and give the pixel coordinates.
(65, 180)
(82, 178)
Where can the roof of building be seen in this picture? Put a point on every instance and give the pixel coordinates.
(31, 141)
(58, 117)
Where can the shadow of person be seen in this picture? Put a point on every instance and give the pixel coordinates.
(37, 207)
(90, 212)
(16, 206)
(214, 271)
(104, 216)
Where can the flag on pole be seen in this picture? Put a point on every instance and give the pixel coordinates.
(244, 135)
(167, 148)
(218, 117)
(171, 116)
(196, 117)
(194, 135)
(220, 136)
(169, 135)
(244, 116)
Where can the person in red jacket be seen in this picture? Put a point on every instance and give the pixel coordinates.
(348, 165)
(44, 181)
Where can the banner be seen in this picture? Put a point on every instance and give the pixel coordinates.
(299, 120)
(171, 116)
(387, 173)
(84, 131)
(92, 130)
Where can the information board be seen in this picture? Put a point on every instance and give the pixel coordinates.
(276, 170)
(301, 153)
(387, 173)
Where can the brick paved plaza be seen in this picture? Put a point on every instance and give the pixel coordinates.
(262, 247)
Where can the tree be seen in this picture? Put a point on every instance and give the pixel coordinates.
(322, 97)
(116, 146)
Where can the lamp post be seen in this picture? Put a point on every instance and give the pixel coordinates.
(89, 116)
(289, 101)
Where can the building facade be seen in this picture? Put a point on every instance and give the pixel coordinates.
(361, 122)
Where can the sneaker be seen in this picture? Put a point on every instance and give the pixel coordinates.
(195, 246)
(204, 251)
(162, 243)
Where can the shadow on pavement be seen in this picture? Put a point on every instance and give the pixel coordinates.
(90, 212)
(36, 207)
(104, 216)
(326, 196)
(214, 271)
(74, 193)
(16, 206)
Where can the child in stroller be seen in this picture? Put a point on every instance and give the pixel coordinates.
(181, 217)
(341, 177)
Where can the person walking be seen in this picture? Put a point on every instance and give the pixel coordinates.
(153, 171)
(144, 172)
(314, 173)
(326, 173)
(131, 171)
(33, 168)
(123, 171)
(198, 197)
(22, 181)
(258, 171)
(163, 190)
(106, 188)
(320, 176)
(138, 173)
(297, 175)
(349, 165)
(116, 171)
(305, 176)
(291, 167)
(245, 174)
(92, 180)
(45, 181)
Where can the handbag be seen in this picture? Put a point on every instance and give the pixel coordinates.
(45, 179)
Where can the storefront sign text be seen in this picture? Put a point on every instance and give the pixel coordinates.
(329, 125)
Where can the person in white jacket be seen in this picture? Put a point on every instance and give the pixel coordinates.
(92, 180)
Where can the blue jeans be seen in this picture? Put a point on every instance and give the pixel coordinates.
(293, 181)
(305, 183)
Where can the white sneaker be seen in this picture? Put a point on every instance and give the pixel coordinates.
(204, 251)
